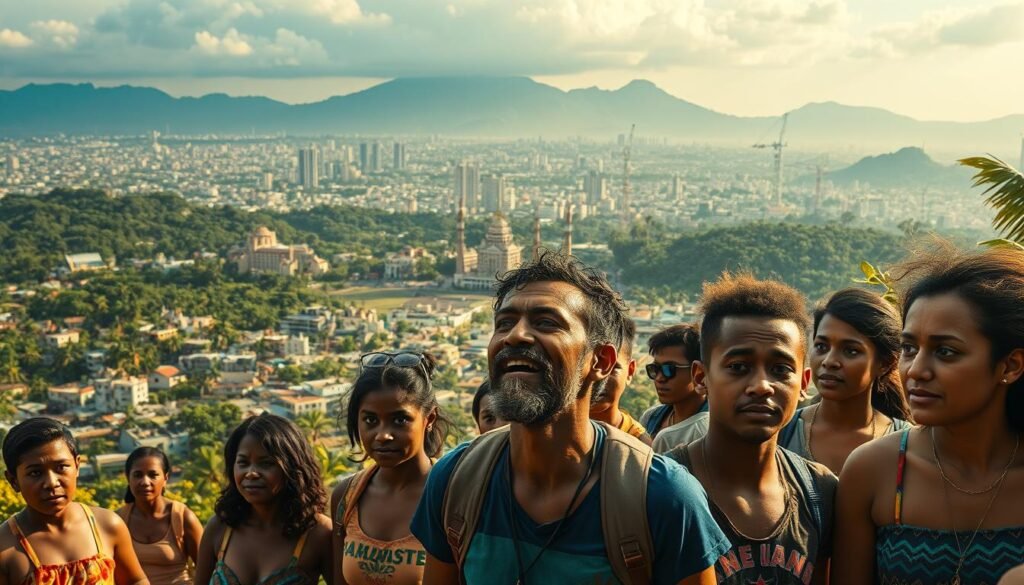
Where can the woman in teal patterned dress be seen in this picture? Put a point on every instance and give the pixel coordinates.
(941, 503)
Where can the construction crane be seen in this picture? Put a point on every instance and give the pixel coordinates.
(777, 147)
(627, 188)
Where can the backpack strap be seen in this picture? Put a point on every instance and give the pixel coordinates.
(352, 487)
(467, 487)
(788, 431)
(812, 496)
(625, 465)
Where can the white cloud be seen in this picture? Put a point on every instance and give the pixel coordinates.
(59, 33)
(951, 27)
(13, 39)
(231, 44)
(290, 49)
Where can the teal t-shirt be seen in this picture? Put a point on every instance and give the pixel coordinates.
(686, 538)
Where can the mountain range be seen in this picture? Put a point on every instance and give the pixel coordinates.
(906, 167)
(497, 107)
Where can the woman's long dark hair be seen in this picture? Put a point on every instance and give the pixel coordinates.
(303, 496)
(992, 283)
(142, 453)
(879, 321)
(415, 382)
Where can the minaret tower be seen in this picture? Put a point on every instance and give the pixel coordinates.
(567, 234)
(536, 233)
(460, 236)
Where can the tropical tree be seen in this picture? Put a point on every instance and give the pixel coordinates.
(313, 424)
(204, 469)
(1005, 193)
(333, 463)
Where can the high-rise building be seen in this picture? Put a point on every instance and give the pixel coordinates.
(364, 157)
(399, 157)
(494, 193)
(678, 188)
(376, 162)
(267, 181)
(467, 186)
(309, 168)
(12, 164)
(595, 185)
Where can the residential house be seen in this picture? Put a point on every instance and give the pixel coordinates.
(165, 378)
(116, 395)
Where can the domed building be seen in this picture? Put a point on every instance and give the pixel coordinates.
(498, 253)
(263, 253)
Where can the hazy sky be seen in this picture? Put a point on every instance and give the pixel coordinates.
(930, 59)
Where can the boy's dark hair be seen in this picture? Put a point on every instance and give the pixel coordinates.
(879, 321)
(628, 336)
(32, 433)
(604, 308)
(416, 383)
(992, 283)
(303, 496)
(482, 391)
(142, 453)
(684, 335)
(743, 295)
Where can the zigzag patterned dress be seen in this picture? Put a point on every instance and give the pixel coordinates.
(912, 555)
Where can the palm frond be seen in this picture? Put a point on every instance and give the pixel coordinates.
(1001, 243)
(1005, 193)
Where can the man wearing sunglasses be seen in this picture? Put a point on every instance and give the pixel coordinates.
(682, 414)
(541, 508)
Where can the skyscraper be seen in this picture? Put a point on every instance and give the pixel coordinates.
(596, 187)
(399, 156)
(376, 163)
(364, 157)
(467, 186)
(12, 165)
(494, 193)
(309, 168)
(678, 188)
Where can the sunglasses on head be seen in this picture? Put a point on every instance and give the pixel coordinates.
(668, 371)
(401, 359)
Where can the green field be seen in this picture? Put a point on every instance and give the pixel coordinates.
(386, 299)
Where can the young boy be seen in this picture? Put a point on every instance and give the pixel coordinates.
(775, 507)
(56, 540)
(604, 403)
(682, 414)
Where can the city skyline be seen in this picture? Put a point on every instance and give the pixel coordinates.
(923, 58)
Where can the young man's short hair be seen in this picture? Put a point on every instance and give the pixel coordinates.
(684, 335)
(743, 295)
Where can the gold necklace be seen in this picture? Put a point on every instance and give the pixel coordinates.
(814, 417)
(956, 536)
(938, 463)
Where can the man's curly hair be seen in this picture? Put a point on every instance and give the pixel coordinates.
(303, 496)
(743, 295)
(605, 311)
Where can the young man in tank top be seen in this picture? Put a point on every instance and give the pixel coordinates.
(775, 507)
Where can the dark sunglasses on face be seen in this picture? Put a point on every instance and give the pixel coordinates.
(668, 371)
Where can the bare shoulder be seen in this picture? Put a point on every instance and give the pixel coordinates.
(1013, 577)
(322, 528)
(107, 520)
(7, 539)
(875, 454)
(214, 529)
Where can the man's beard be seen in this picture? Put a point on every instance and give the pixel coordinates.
(516, 401)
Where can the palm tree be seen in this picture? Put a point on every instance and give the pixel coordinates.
(313, 424)
(1005, 193)
(205, 469)
(332, 464)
